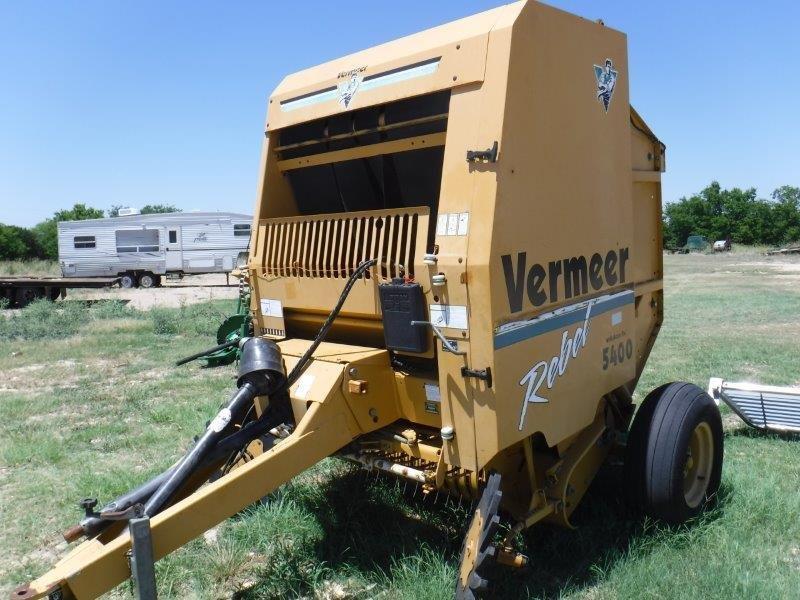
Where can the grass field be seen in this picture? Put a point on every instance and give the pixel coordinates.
(32, 267)
(90, 406)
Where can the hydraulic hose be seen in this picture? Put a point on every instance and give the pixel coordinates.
(213, 433)
(261, 372)
(323, 331)
(156, 492)
(91, 526)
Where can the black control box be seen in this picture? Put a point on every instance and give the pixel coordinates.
(402, 303)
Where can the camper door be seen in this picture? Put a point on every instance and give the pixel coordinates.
(173, 249)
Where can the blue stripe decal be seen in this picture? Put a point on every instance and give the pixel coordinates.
(561, 318)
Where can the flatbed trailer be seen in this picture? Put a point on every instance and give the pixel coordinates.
(21, 291)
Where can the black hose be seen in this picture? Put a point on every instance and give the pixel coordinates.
(155, 491)
(231, 413)
(323, 331)
(91, 526)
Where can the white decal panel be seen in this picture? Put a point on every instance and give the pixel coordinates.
(271, 308)
(452, 224)
(450, 316)
(303, 386)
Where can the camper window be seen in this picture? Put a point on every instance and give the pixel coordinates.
(84, 241)
(137, 240)
(241, 229)
(173, 236)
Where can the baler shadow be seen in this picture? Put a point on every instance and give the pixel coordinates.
(571, 561)
(764, 434)
(370, 525)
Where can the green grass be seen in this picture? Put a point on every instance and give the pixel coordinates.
(91, 406)
(32, 267)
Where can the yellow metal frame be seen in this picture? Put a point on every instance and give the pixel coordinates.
(95, 567)
(392, 147)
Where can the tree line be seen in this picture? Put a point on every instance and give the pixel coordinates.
(714, 213)
(719, 214)
(41, 240)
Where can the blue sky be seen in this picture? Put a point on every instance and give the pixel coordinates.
(105, 102)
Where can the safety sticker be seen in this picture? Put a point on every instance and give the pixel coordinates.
(449, 315)
(433, 398)
(221, 421)
(452, 224)
(303, 386)
(432, 392)
(271, 308)
(432, 407)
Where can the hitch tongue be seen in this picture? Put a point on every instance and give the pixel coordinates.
(261, 372)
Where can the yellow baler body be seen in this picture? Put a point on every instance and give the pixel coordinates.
(496, 162)
(550, 255)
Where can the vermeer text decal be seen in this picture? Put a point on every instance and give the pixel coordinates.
(575, 276)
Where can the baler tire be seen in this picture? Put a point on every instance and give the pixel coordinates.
(658, 463)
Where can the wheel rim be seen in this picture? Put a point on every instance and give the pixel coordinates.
(698, 464)
(146, 281)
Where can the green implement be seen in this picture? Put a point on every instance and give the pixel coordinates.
(232, 329)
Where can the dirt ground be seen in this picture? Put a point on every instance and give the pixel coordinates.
(189, 290)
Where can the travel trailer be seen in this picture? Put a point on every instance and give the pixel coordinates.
(140, 249)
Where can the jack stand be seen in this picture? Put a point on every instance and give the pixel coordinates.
(143, 571)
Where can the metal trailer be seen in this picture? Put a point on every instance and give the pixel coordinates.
(21, 291)
(140, 249)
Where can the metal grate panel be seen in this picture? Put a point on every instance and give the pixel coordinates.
(763, 407)
(327, 246)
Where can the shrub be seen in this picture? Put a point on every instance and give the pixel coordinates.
(112, 309)
(45, 319)
(165, 321)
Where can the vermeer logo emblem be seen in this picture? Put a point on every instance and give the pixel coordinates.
(606, 81)
(348, 87)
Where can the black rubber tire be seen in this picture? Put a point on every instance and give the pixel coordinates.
(657, 447)
(127, 280)
(147, 280)
(26, 295)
